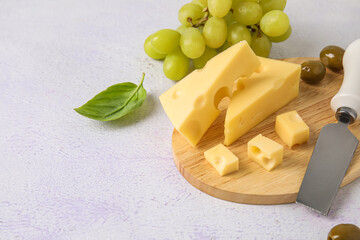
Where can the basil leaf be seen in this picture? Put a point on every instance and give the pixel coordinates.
(115, 102)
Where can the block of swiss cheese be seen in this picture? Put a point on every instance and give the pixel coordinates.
(271, 87)
(192, 103)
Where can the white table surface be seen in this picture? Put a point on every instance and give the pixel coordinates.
(63, 176)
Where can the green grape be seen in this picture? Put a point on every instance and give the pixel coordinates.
(268, 5)
(215, 32)
(237, 33)
(190, 11)
(201, 3)
(192, 43)
(229, 18)
(219, 8)
(247, 13)
(176, 65)
(165, 40)
(261, 45)
(181, 29)
(150, 51)
(275, 23)
(223, 47)
(208, 54)
(282, 37)
(235, 2)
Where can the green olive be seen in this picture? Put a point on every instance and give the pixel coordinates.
(332, 56)
(312, 71)
(344, 232)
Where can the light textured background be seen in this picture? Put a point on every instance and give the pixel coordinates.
(63, 176)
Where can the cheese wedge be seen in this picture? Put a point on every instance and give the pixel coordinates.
(271, 87)
(265, 152)
(192, 104)
(222, 159)
(291, 128)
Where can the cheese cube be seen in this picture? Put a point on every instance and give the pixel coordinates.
(192, 104)
(266, 152)
(222, 159)
(271, 87)
(291, 128)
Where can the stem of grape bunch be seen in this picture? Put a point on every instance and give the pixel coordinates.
(201, 21)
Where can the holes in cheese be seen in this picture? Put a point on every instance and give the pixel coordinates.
(224, 103)
(261, 69)
(265, 152)
(200, 102)
(291, 128)
(268, 162)
(176, 94)
(255, 150)
(275, 84)
(222, 93)
(238, 86)
(222, 159)
(183, 103)
(219, 160)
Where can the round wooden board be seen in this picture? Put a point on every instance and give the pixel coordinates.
(252, 184)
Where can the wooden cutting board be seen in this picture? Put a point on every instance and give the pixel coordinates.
(251, 183)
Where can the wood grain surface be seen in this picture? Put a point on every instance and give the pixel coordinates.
(251, 183)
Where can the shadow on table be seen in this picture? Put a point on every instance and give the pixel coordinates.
(341, 203)
(342, 199)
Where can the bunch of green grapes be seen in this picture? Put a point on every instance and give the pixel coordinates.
(211, 26)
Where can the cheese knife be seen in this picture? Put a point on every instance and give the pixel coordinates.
(336, 144)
